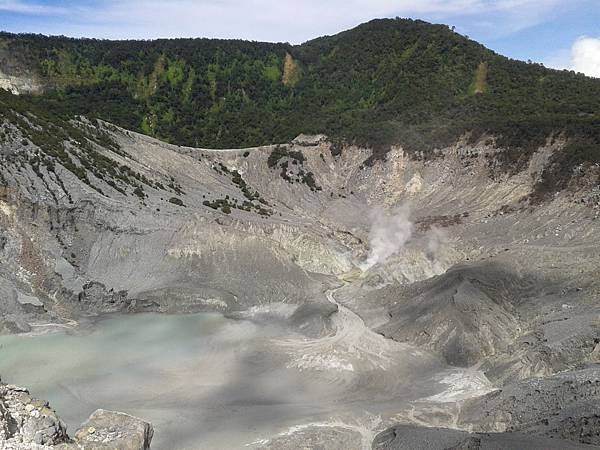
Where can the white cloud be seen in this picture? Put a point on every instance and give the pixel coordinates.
(273, 20)
(20, 7)
(516, 15)
(585, 56)
(270, 20)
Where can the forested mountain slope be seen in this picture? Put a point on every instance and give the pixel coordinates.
(391, 81)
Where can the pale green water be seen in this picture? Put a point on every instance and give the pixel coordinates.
(208, 382)
(153, 366)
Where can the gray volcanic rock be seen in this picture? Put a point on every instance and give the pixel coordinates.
(29, 423)
(409, 437)
(563, 406)
(26, 421)
(465, 314)
(513, 316)
(95, 296)
(110, 430)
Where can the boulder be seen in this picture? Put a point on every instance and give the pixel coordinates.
(110, 430)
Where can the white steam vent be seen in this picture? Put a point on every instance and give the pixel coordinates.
(390, 231)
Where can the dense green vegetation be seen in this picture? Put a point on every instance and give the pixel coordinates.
(212, 93)
(385, 82)
(176, 201)
(291, 163)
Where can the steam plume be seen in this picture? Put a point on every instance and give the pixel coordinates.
(437, 239)
(389, 233)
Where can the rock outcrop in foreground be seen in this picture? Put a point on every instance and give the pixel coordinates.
(29, 423)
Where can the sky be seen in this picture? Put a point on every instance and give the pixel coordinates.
(563, 34)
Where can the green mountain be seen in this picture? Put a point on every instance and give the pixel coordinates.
(391, 81)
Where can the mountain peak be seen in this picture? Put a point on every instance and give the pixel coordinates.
(385, 82)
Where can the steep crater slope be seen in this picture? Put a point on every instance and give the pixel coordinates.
(98, 219)
(465, 314)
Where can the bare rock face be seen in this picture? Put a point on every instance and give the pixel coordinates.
(464, 315)
(20, 84)
(563, 406)
(95, 295)
(26, 422)
(409, 437)
(110, 430)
